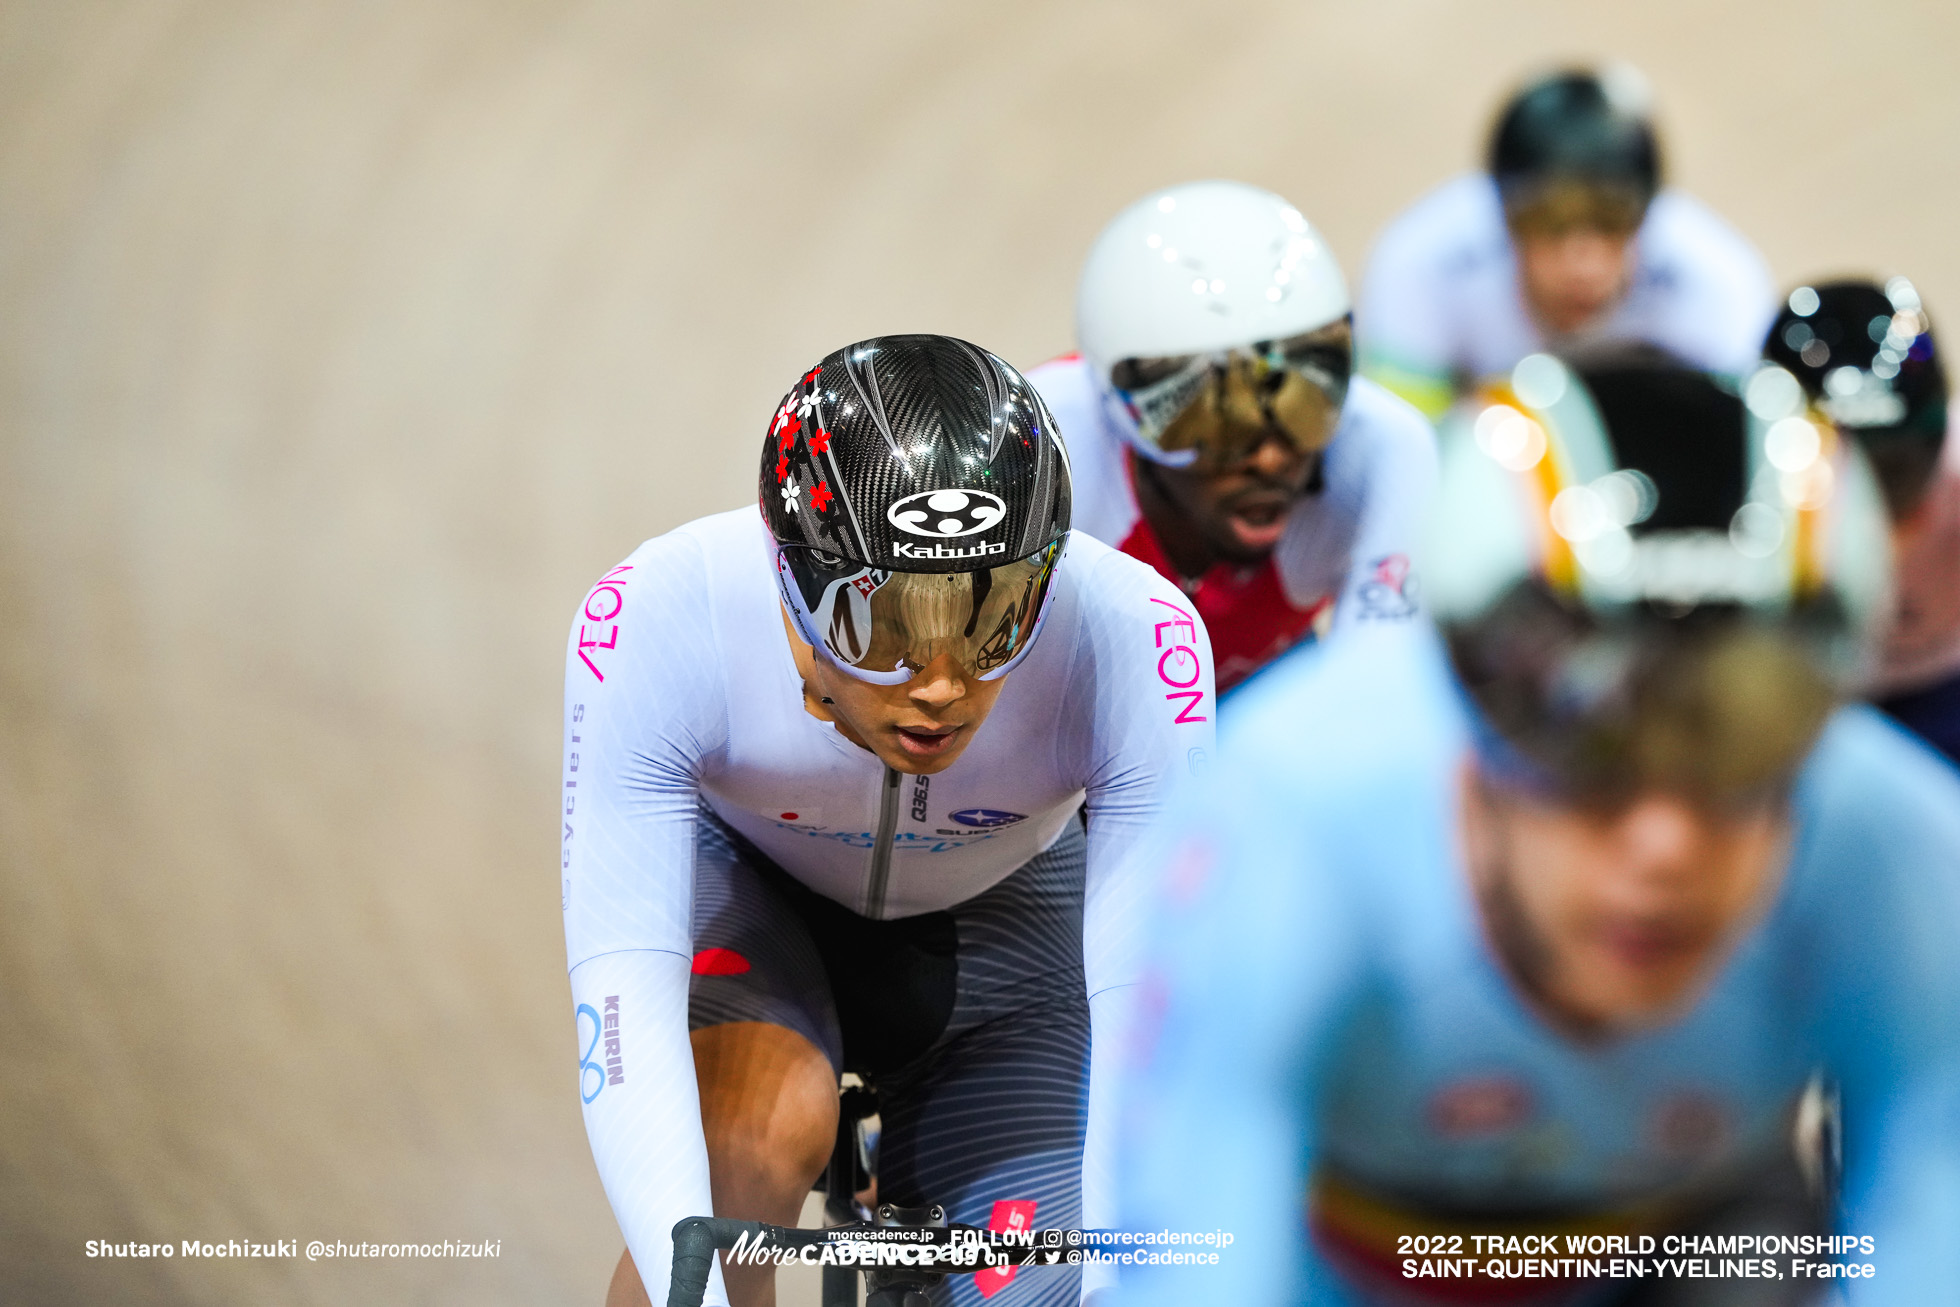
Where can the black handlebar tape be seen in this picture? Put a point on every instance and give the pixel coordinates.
(695, 1240)
(698, 1238)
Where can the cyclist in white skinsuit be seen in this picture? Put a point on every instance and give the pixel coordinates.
(1564, 240)
(719, 834)
(1285, 520)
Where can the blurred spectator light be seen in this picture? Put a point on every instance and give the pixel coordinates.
(1510, 437)
(1539, 380)
(1773, 393)
(1756, 530)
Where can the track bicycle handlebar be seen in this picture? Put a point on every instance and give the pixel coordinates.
(696, 1240)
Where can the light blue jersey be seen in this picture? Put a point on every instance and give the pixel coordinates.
(1321, 1001)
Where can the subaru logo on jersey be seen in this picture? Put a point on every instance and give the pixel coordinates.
(943, 513)
(987, 817)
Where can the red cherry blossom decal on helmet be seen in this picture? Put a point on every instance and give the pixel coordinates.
(820, 497)
(818, 441)
(782, 466)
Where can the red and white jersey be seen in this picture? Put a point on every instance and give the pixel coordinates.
(1922, 644)
(1343, 559)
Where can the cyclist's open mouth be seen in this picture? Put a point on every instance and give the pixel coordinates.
(1647, 946)
(926, 741)
(1258, 519)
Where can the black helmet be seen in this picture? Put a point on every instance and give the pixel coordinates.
(1647, 578)
(904, 458)
(1584, 127)
(1867, 359)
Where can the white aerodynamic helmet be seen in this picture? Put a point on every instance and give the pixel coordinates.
(1191, 277)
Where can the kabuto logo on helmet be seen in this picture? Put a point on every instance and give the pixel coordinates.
(944, 513)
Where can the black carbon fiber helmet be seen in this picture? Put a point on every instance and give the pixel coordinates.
(1577, 126)
(870, 450)
(902, 458)
(1866, 357)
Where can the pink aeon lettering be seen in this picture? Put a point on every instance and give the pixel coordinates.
(618, 602)
(608, 585)
(1180, 651)
(1010, 1214)
(1195, 698)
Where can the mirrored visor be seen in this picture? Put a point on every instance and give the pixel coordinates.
(1562, 205)
(1215, 409)
(1720, 711)
(884, 626)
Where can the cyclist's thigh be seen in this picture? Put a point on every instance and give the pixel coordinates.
(753, 956)
(994, 1112)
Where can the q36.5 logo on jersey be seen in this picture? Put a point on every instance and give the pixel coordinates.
(944, 513)
(987, 818)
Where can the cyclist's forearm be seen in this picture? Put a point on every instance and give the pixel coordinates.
(1109, 1015)
(642, 1111)
(1169, 656)
(1112, 929)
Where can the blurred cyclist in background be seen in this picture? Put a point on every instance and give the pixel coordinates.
(1215, 432)
(1867, 360)
(1566, 237)
(1553, 927)
(826, 761)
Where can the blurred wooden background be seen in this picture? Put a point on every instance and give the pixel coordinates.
(345, 343)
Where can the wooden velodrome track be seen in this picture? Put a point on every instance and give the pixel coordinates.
(345, 343)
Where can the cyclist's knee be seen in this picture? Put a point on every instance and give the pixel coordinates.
(627, 1289)
(768, 1108)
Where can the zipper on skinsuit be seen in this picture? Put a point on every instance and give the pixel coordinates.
(881, 848)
